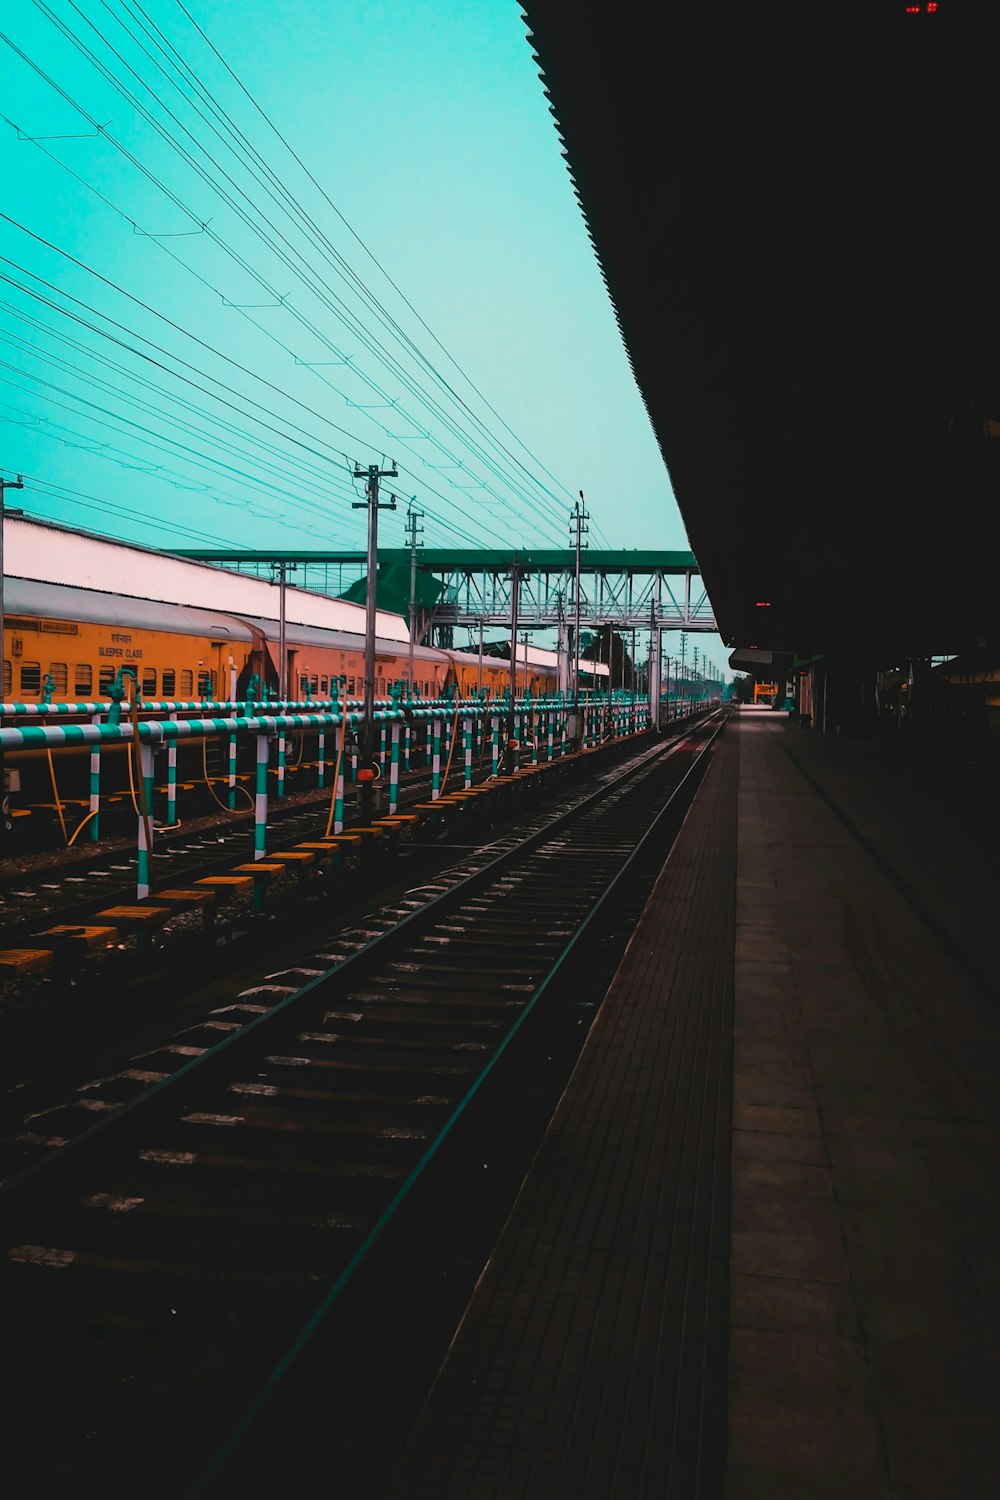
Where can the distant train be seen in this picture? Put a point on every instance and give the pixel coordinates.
(80, 607)
(80, 639)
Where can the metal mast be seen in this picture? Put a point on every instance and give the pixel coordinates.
(413, 531)
(280, 571)
(372, 474)
(5, 484)
(578, 529)
(515, 589)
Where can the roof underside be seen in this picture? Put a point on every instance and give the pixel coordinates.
(798, 233)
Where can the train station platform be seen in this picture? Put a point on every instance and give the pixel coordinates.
(757, 1254)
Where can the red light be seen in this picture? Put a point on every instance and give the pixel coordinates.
(762, 604)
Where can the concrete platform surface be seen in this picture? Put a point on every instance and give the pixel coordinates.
(758, 1253)
(865, 1293)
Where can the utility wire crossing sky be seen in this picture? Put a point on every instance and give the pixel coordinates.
(243, 251)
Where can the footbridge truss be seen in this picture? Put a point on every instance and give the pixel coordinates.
(472, 587)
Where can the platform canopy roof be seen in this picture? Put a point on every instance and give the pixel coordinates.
(795, 211)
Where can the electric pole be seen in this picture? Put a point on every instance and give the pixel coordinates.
(515, 588)
(366, 770)
(5, 484)
(653, 682)
(279, 575)
(578, 529)
(413, 531)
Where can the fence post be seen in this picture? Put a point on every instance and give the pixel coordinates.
(95, 784)
(394, 768)
(145, 851)
(260, 798)
(338, 796)
(172, 778)
(436, 762)
(281, 763)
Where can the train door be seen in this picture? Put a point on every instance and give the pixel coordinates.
(220, 670)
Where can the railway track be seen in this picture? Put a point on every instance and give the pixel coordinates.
(159, 1265)
(76, 888)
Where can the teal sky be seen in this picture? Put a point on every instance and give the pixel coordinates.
(200, 335)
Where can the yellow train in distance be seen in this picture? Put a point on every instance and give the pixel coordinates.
(177, 658)
(80, 607)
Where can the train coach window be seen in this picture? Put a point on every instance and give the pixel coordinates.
(5, 690)
(169, 687)
(105, 680)
(350, 686)
(31, 679)
(204, 685)
(83, 679)
(59, 672)
(381, 687)
(187, 684)
(324, 685)
(149, 682)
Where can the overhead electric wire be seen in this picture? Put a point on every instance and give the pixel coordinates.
(227, 359)
(458, 463)
(349, 227)
(155, 471)
(293, 208)
(227, 198)
(266, 285)
(314, 508)
(49, 489)
(218, 353)
(214, 395)
(313, 475)
(348, 485)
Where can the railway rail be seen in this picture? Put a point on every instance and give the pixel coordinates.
(75, 889)
(163, 1262)
(117, 968)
